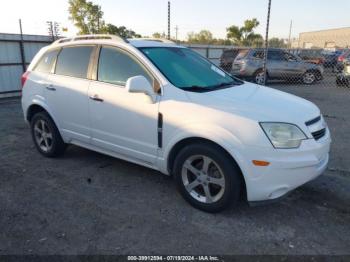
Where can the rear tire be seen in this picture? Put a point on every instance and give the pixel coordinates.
(207, 177)
(46, 136)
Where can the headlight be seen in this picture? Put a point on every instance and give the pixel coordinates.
(283, 135)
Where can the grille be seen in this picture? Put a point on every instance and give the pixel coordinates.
(313, 121)
(319, 134)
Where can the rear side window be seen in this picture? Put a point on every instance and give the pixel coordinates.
(46, 62)
(74, 61)
(116, 67)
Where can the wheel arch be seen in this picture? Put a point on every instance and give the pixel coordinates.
(195, 140)
(36, 107)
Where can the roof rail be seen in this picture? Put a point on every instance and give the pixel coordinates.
(90, 37)
(167, 41)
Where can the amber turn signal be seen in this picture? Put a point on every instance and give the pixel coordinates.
(260, 163)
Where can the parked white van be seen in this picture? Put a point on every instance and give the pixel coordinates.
(168, 108)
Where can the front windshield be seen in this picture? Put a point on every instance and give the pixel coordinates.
(188, 70)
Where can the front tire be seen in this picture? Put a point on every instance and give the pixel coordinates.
(259, 77)
(207, 177)
(309, 77)
(46, 136)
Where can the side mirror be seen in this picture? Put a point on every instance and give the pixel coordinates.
(140, 84)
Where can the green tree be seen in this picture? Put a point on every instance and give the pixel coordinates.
(203, 37)
(245, 35)
(86, 16)
(121, 31)
(277, 43)
(158, 35)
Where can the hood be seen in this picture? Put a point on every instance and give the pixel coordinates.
(258, 103)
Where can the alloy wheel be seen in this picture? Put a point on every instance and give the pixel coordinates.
(309, 78)
(260, 78)
(203, 179)
(43, 135)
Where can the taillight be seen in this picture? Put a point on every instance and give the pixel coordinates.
(341, 58)
(24, 78)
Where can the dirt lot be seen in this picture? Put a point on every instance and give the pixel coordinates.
(88, 203)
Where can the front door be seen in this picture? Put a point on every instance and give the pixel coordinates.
(122, 122)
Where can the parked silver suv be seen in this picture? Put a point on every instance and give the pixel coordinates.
(280, 65)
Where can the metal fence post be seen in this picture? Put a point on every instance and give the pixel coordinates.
(266, 42)
(21, 46)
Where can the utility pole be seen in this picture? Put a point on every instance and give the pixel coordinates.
(169, 20)
(176, 31)
(290, 34)
(53, 29)
(267, 41)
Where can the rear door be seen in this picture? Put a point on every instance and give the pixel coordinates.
(40, 73)
(67, 92)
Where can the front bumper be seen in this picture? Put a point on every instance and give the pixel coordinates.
(288, 169)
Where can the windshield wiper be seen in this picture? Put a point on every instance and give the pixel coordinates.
(195, 88)
(221, 85)
(203, 89)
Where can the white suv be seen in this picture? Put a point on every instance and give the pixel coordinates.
(166, 107)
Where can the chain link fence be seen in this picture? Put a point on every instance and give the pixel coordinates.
(317, 58)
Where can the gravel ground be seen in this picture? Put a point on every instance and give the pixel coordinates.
(88, 203)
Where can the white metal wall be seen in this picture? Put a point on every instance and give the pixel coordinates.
(11, 67)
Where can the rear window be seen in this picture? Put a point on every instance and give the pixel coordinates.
(74, 61)
(46, 62)
(242, 54)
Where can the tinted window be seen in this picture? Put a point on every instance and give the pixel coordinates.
(116, 67)
(74, 61)
(259, 54)
(46, 62)
(290, 57)
(273, 55)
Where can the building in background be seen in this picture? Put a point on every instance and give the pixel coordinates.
(328, 39)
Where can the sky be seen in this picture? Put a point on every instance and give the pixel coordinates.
(149, 16)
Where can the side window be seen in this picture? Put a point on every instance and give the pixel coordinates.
(289, 57)
(275, 55)
(259, 54)
(46, 62)
(116, 66)
(74, 61)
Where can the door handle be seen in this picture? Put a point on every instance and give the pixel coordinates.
(96, 98)
(50, 87)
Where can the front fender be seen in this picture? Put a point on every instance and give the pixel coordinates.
(215, 134)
